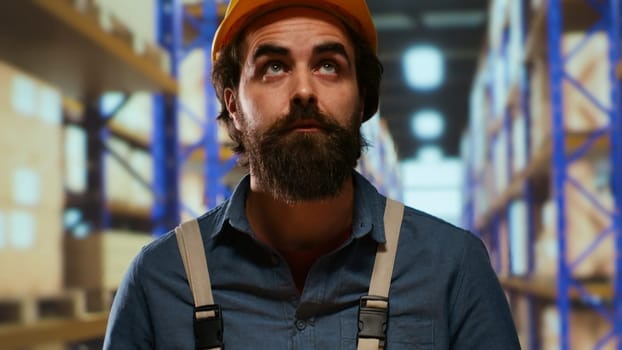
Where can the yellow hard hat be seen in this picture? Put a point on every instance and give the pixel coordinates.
(354, 12)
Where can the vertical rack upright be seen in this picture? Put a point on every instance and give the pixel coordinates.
(174, 19)
(609, 22)
(165, 135)
(215, 168)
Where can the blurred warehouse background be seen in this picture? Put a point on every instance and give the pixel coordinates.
(500, 116)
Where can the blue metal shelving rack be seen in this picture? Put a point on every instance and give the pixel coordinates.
(169, 154)
(165, 147)
(527, 190)
(214, 168)
(610, 23)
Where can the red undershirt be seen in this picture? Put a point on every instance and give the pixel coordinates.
(300, 261)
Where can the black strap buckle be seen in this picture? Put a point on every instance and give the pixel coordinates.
(208, 329)
(373, 318)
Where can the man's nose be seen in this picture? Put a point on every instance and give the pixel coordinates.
(304, 88)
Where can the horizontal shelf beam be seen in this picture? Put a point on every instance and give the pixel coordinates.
(54, 331)
(546, 288)
(53, 41)
(196, 10)
(133, 138)
(123, 210)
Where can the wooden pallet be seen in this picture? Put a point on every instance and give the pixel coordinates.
(30, 309)
(69, 304)
(99, 300)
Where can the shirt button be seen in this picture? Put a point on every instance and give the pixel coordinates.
(300, 325)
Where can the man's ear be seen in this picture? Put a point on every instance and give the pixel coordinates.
(232, 107)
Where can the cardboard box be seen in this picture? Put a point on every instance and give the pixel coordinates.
(590, 67)
(122, 187)
(30, 136)
(136, 116)
(30, 251)
(504, 249)
(539, 104)
(23, 95)
(192, 192)
(137, 16)
(587, 328)
(584, 223)
(117, 179)
(140, 196)
(30, 140)
(192, 80)
(520, 314)
(30, 115)
(100, 260)
(75, 159)
(30, 180)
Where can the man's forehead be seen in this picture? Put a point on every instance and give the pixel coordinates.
(287, 22)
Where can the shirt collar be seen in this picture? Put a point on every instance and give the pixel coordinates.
(367, 219)
(368, 210)
(235, 209)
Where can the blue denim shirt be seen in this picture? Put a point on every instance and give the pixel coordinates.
(444, 293)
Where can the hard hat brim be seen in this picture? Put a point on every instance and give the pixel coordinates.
(354, 13)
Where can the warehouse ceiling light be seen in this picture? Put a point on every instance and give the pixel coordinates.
(427, 124)
(423, 67)
(454, 19)
(430, 154)
(394, 21)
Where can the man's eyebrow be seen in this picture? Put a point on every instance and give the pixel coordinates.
(269, 49)
(332, 47)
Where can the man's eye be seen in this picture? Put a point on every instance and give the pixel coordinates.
(274, 68)
(328, 67)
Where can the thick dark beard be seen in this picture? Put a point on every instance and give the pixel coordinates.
(302, 166)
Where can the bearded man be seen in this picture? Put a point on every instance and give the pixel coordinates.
(306, 254)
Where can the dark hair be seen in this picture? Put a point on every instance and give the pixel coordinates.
(228, 67)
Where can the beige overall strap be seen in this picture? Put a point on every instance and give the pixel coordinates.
(383, 266)
(193, 255)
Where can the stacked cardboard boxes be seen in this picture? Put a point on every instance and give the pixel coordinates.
(586, 224)
(590, 68)
(31, 185)
(126, 20)
(587, 330)
(99, 261)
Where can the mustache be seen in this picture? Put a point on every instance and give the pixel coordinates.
(304, 113)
